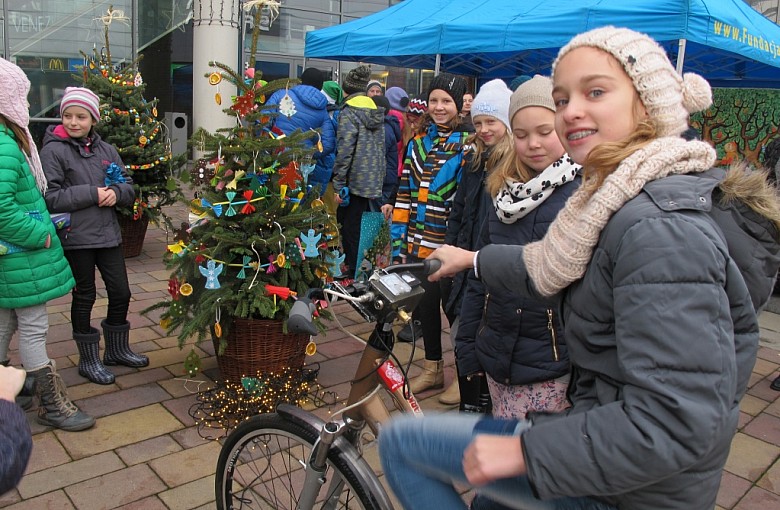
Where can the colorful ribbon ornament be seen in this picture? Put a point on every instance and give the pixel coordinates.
(238, 176)
(248, 207)
(246, 264)
(114, 175)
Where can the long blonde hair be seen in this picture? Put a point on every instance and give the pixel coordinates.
(508, 168)
(497, 153)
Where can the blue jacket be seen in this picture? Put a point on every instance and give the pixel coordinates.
(514, 339)
(311, 113)
(465, 222)
(392, 137)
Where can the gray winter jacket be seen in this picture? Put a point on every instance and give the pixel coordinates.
(75, 171)
(360, 146)
(662, 336)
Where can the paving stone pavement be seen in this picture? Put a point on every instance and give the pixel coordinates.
(145, 452)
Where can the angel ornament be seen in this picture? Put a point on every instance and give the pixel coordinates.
(311, 241)
(211, 272)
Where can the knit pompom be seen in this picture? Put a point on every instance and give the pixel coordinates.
(697, 93)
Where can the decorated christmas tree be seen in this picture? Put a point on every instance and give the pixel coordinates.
(129, 122)
(259, 234)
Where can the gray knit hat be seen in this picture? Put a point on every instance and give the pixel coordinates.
(667, 96)
(356, 80)
(492, 100)
(534, 92)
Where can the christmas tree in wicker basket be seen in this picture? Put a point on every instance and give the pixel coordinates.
(259, 235)
(129, 122)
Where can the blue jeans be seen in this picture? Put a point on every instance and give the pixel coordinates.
(422, 459)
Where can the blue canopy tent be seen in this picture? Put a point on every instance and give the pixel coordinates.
(725, 41)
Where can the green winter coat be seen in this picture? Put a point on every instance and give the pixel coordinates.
(36, 274)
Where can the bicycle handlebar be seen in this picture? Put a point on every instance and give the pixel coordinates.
(300, 319)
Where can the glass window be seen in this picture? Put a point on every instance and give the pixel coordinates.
(157, 17)
(46, 38)
(365, 7)
(287, 34)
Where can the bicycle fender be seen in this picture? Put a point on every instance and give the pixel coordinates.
(347, 450)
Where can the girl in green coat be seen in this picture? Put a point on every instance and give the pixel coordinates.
(33, 268)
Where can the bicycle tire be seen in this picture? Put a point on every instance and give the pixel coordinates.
(265, 477)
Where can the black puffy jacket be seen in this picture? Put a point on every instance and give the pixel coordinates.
(514, 339)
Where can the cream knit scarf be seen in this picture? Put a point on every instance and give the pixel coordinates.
(562, 256)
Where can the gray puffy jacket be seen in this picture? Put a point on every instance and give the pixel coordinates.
(74, 172)
(662, 336)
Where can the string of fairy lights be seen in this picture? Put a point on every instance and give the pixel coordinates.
(220, 409)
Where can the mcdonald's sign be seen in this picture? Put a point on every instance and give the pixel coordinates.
(55, 64)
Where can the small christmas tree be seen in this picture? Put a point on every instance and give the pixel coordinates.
(259, 234)
(129, 123)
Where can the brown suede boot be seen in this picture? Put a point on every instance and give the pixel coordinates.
(432, 376)
(451, 396)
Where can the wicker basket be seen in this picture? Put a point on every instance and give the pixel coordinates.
(258, 345)
(133, 234)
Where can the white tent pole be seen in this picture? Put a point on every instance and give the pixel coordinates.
(438, 64)
(681, 56)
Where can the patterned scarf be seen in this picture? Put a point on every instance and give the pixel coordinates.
(562, 256)
(516, 199)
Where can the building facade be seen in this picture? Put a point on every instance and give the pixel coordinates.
(49, 38)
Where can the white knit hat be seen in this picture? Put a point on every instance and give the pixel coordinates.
(492, 100)
(667, 96)
(14, 87)
(80, 96)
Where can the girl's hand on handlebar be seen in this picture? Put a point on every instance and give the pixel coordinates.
(491, 457)
(453, 261)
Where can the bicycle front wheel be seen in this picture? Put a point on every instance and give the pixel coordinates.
(262, 466)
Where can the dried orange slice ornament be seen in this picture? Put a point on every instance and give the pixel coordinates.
(311, 349)
(165, 323)
(217, 330)
(185, 289)
(218, 98)
(215, 78)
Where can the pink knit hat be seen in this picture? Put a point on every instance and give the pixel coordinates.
(14, 87)
(80, 96)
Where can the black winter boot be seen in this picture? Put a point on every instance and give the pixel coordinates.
(55, 408)
(90, 365)
(118, 347)
(25, 397)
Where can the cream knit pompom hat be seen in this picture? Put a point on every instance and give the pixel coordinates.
(668, 97)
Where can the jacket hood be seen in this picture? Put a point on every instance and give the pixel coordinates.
(311, 97)
(58, 134)
(745, 207)
(366, 111)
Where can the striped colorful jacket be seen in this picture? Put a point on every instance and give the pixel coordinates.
(432, 170)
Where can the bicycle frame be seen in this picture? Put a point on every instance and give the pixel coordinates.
(339, 439)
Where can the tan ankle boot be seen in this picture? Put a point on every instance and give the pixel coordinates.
(451, 396)
(432, 376)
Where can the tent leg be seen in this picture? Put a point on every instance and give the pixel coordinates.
(438, 65)
(681, 56)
